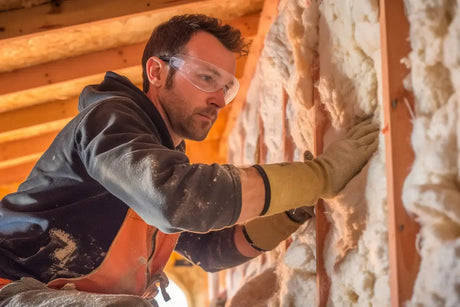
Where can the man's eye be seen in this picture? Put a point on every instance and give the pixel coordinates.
(206, 78)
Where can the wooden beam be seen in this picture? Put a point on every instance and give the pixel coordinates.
(17, 148)
(268, 15)
(37, 114)
(16, 171)
(323, 281)
(402, 229)
(288, 142)
(73, 12)
(91, 64)
(60, 91)
(27, 132)
(72, 68)
(37, 48)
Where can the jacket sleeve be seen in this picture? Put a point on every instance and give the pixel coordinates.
(212, 251)
(120, 148)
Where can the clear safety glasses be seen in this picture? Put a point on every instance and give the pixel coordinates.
(204, 76)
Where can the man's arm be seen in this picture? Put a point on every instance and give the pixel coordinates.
(275, 188)
(252, 194)
(215, 250)
(222, 249)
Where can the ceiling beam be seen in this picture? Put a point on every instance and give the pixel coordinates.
(37, 114)
(67, 13)
(71, 68)
(17, 148)
(14, 173)
(46, 46)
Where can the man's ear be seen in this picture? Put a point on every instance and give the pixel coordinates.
(154, 67)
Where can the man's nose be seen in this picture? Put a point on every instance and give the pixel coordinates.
(217, 98)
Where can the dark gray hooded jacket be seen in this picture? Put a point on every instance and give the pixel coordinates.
(114, 155)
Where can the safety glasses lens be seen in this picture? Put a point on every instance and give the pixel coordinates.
(206, 76)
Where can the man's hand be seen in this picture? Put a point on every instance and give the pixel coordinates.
(344, 158)
(298, 184)
(301, 214)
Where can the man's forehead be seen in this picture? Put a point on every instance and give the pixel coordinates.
(207, 47)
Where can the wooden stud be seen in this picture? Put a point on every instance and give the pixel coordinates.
(323, 282)
(268, 15)
(288, 143)
(402, 229)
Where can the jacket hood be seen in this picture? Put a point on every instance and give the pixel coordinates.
(112, 85)
(115, 85)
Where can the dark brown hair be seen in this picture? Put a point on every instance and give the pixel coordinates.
(170, 37)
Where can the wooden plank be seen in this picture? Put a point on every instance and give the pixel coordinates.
(288, 143)
(17, 170)
(402, 229)
(21, 148)
(37, 48)
(268, 15)
(59, 14)
(71, 68)
(27, 132)
(323, 281)
(17, 148)
(37, 114)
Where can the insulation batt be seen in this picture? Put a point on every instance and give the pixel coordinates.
(343, 39)
(432, 189)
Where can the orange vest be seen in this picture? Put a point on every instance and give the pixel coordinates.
(4, 282)
(138, 252)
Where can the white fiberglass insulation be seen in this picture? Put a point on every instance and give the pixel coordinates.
(432, 189)
(343, 37)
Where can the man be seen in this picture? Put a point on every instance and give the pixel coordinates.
(115, 194)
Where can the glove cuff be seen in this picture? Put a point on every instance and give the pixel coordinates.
(265, 233)
(267, 188)
(291, 185)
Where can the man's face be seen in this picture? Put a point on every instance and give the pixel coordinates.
(190, 111)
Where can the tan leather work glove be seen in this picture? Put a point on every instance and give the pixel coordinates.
(265, 233)
(293, 185)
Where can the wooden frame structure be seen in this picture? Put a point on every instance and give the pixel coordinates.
(402, 229)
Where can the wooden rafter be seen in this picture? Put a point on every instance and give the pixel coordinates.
(36, 48)
(402, 229)
(74, 12)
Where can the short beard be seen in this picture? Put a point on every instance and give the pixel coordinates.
(182, 123)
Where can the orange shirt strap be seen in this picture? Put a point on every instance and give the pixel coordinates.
(4, 282)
